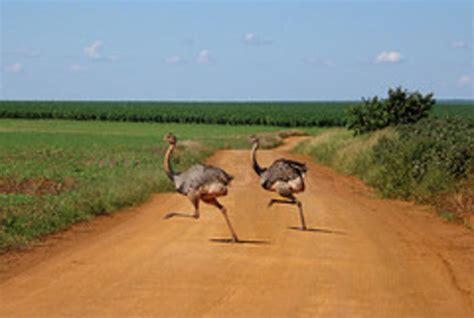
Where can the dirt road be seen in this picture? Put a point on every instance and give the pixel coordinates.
(363, 257)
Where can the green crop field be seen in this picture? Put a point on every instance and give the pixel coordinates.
(283, 114)
(453, 109)
(274, 114)
(57, 172)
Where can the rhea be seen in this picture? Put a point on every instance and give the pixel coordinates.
(285, 177)
(199, 183)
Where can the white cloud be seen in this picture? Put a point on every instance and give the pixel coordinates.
(465, 81)
(251, 38)
(174, 60)
(77, 68)
(92, 51)
(14, 68)
(388, 57)
(204, 57)
(458, 44)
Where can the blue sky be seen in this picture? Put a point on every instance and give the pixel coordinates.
(231, 50)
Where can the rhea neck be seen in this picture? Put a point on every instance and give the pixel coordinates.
(167, 162)
(259, 170)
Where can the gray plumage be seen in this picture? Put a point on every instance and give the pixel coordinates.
(199, 176)
(285, 177)
(199, 183)
(282, 170)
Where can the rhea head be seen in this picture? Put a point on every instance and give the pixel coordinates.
(254, 139)
(170, 138)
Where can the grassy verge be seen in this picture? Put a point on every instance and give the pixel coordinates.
(55, 173)
(338, 148)
(429, 162)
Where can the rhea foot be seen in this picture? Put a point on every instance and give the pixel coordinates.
(235, 239)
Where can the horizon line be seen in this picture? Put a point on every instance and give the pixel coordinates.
(467, 100)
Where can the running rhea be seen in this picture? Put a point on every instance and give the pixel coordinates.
(199, 183)
(285, 177)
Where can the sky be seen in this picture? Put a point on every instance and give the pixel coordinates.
(234, 50)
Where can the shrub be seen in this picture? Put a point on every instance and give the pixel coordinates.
(431, 161)
(401, 107)
(425, 159)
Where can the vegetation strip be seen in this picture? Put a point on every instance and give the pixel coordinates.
(395, 146)
(283, 114)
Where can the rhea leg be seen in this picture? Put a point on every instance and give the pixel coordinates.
(284, 190)
(295, 201)
(195, 201)
(300, 209)
(217, 204)
(194, 198)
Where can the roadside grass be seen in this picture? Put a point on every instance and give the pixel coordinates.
(338, 148)
(54, 173)
(430, 168)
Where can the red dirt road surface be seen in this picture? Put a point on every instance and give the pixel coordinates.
(362, 257)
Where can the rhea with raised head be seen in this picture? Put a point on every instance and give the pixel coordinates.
(199, 183)
(284, 177)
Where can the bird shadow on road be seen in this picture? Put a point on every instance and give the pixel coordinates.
(316, 230)
(170, 215)
(229, 241)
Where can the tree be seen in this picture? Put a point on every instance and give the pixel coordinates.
(401, 107)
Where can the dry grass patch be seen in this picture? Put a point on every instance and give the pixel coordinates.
(459, 202)
(291, 133)
(35, 186)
